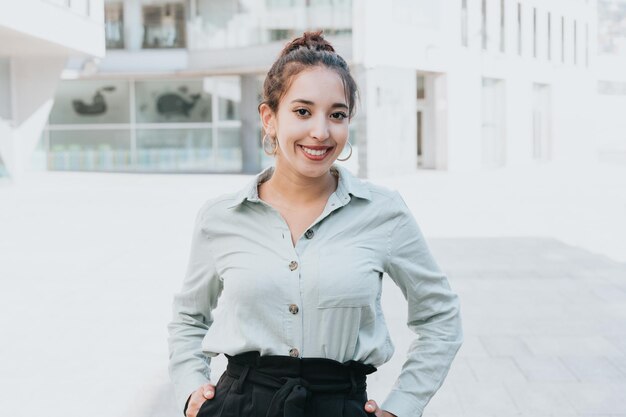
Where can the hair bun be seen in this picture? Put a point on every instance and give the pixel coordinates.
(309, 40)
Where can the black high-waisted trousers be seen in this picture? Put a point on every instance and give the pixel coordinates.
(282, 386)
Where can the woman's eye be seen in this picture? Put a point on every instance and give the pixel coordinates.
(302, 112)
(339, 115)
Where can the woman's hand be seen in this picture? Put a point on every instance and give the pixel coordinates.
(198, 397)
(372, 407)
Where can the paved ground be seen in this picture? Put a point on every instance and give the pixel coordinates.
(89, 262)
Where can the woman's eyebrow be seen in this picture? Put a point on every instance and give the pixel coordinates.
(310, 103)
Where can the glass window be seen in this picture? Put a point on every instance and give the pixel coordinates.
(519, 28)
(586, 44)
(5, 88)
(562, 39)
(175, 150)
(549, 36)
(484, 23)
(612, 88)
(229, 157)
(89, 150)
(172, 101)
(612, 27)
(534, 32)
(575, 33)
(464, 17)
(278, 4)
(91, 102)
(502, 26)
(228, 93)
(164, 25)
(421, 87)
(114, 25)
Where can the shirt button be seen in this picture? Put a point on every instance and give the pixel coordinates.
(293, 265)
(293, 309)
(294, 353)
(309, 234)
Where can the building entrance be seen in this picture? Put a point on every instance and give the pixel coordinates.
(430, 115)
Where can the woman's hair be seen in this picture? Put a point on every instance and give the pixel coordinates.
(309, 50)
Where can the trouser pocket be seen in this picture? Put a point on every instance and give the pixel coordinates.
(214, 406)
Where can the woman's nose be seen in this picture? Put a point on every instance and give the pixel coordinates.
(320, 129)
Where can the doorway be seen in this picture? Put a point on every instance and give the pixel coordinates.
(430, 121)
(493, 123)
(542, 123)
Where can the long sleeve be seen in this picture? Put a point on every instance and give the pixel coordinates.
(433, 315)
(192, 307)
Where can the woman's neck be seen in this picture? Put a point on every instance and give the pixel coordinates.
(293, 189)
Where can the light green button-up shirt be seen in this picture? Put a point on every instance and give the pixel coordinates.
(247, 288)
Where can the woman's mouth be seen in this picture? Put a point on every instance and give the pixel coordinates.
(316, 153)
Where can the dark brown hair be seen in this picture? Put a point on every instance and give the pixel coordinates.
(309, 50)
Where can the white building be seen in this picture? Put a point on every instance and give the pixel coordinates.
(610, 70)
(36, 39)
(448, 84)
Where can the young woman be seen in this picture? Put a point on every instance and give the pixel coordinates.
(285, 275)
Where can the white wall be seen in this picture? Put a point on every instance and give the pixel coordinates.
(395, 36)
(41, 28)
(391, 120)
(36, 38)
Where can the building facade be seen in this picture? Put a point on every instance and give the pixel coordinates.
(33, 54)
(610, 70)
(451, 85)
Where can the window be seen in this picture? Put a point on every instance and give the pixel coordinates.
(164, 26)
(575, 43)
(502, 27)
(562, 39)
(484, 23)
(587, 45)
(5, 88)
(611, 27)
(519, 28)
(613, 88)
(114, 25)
(549, 36)
(464, 29)
(534, 32)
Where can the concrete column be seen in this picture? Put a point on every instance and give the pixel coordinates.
(34, 80)
(133, 25)
(250, 140)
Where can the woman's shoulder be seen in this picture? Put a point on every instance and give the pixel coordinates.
(365, 188)
(385, 201)
(217, 205)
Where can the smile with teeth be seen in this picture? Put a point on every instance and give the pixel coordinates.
(314, 152)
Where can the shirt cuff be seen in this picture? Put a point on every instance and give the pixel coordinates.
(402, 404)
(186, 388)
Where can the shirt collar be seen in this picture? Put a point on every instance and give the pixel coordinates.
(348, 185)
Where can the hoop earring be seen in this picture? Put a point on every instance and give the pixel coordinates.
(273, 144)
(349, 155)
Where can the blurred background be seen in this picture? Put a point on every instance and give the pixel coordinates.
(501, 122)
(157, 86)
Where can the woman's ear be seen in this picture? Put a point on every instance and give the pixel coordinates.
(268, 119)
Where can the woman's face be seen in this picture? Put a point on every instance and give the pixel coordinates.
(311, 124)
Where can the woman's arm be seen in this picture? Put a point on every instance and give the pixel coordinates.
(192, 306)
(433, 314)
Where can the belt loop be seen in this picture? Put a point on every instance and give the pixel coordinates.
(242, 379)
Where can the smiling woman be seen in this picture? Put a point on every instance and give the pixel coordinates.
(285, 275)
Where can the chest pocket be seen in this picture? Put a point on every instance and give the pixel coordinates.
(347, 278)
